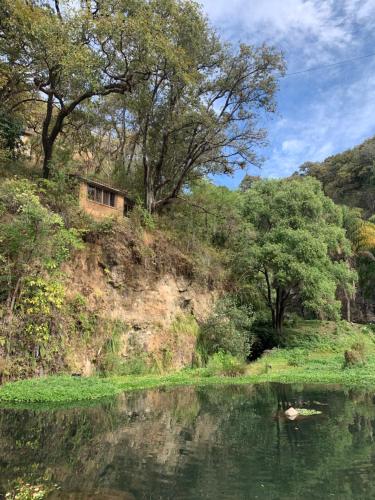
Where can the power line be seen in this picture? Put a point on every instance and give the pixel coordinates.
(315, 68)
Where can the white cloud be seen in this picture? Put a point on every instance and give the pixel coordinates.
(293, 146)
(310, 30)
(325, 111)
(342, 118)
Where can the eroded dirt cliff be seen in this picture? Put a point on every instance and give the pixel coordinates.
(149, 288)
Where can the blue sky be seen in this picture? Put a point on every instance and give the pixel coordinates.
(320, 112)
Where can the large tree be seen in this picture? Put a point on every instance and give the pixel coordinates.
(198, 112)
(189, 128)
(294, 248)
(68, 55)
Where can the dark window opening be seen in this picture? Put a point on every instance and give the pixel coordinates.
(101, 196)
(98, 195)
(112, 199)
(106, 198)
(128, 206)
(91, 193)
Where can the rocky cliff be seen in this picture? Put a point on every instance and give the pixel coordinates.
(148, 288)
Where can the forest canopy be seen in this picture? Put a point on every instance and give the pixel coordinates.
(348, 177)
(144, 91)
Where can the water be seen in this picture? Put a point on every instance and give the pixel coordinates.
(186, 443)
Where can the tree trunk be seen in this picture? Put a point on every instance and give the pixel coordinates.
(279, 322)
(280, 310)
(47, 149)
(148, 187)
(348, 306)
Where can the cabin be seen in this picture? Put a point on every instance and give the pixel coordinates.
(102, 200)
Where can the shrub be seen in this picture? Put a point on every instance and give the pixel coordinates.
(225, 364)
(356, 356)
(297, 357)
(228, 329)
(141, 218)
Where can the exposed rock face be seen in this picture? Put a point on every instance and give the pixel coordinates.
(145, 290)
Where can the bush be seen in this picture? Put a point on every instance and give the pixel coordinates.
(356, 356)
(225, 364)
(297, 357)
(141, 218)
(228, 329)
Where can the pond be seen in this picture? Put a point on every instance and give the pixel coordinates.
(229, 442)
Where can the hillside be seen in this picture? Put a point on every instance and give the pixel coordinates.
(349, 177)
(87, 296)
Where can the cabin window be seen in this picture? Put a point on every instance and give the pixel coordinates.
(106, 197)
(100, 195)
(91, 193)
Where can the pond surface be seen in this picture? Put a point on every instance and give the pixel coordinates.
(194, 443)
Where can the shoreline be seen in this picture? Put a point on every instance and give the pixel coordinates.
(63, 390)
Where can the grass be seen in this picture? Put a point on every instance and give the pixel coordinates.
(313, 353)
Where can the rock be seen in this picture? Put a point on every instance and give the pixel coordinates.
(291, 413)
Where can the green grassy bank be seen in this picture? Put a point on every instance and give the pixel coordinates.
(313, 352)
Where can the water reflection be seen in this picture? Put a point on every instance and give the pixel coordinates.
(215, 443)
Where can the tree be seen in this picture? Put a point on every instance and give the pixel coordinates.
(361, 233)
(68, 55)
(208, 126)
(227, 329)
(203, 120)
(294, 247)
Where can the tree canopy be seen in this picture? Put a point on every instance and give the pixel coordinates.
(149, 82)
(348, 177)
(294, 247)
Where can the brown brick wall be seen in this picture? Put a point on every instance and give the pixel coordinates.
(98, 210)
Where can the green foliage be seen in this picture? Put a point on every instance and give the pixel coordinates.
(185, 324)
(39, 296)
(348, 177)
(297, 357)
(10, 132)
(208, 213)
(34, 242)
(30, 235)
(222, 363)
(227, 330)
(356, 356)
(113, 364)
(26, 491)
(142, 218)
(362, 236)
(294, 247)
(38, 304)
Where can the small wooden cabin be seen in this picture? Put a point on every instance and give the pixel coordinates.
(102, 200)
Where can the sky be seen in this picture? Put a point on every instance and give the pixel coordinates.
(320, 112)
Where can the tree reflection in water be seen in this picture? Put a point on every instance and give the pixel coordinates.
(193, 443)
